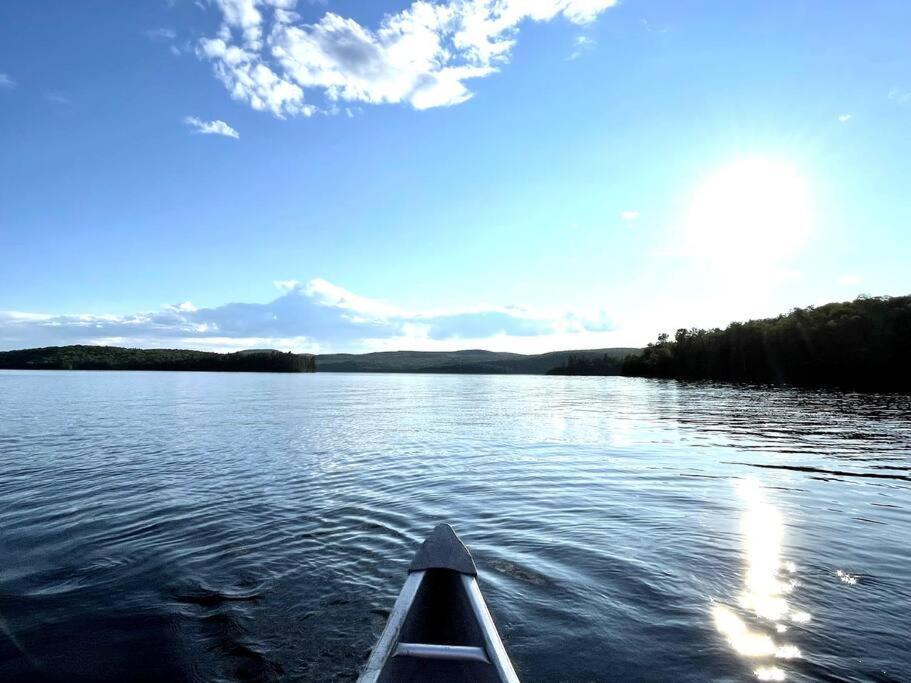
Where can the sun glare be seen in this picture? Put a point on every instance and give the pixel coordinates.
(768, 581)
(752, 209)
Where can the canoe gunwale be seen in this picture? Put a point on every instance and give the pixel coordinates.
(443, 555)
(495, 649)
(389, 639)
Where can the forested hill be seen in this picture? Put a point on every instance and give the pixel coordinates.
(266, 360)
(82, 357)
(468, 362)
(862, 344)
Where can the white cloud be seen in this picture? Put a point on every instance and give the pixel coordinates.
(21, 316)
(328, 294)
(580, 45)
(844, 118)
(900, 95)
(211, 127)
(629, 215)
(423, 55)
(286, 285)
(850, 279)
(6, 81)
(249, 79)
(163, 33)
(316, 315)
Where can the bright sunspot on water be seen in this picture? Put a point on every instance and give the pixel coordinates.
(767, 583)
(754, 208)
(762, 527)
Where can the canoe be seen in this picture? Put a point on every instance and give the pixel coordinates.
(440, 628)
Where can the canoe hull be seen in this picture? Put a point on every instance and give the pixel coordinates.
(440, 628)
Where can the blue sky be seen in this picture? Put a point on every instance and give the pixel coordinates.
(352, 176)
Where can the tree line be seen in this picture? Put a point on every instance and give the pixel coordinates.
(576, 364)
(861, 344)
(83, 357)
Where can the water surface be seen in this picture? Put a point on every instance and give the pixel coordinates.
(205, 527)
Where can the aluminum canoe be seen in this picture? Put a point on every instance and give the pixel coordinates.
(440, 628)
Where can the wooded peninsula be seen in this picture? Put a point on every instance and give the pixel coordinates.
(860, 344)
(81, 357)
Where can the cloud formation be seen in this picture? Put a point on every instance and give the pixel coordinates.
(211, 127)
(312, 316)
(580, 45)
(424, 55)
(6, 81)
(900, 95)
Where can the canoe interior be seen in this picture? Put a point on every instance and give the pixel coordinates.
(440, 614)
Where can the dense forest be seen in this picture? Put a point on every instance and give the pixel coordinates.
(861, 344)
(606, 364)
(114, 358)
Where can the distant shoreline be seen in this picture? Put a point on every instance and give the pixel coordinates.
(860, 345)
(469, 361)
(84, 357)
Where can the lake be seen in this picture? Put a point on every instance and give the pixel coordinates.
(256, 527)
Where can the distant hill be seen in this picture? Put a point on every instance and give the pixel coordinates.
(81, 357)
(460, 362)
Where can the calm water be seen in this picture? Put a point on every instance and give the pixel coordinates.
(257, 527)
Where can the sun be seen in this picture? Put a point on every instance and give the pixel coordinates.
(753, 209)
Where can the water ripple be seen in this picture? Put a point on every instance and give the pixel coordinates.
(205, 527)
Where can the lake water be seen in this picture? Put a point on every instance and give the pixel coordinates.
(206, 527)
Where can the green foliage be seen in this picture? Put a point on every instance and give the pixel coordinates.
(82, 357)
(577, 364)
(860, 344)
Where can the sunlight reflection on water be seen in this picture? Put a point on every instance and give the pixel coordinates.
(221, 527)
(768, 580)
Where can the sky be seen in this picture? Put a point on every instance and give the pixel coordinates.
(507, 175)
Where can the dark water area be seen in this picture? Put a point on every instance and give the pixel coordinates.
(212, 527)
